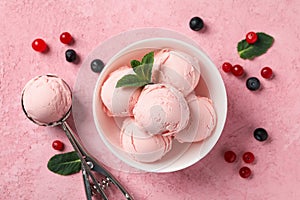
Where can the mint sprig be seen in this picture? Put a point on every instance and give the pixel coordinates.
(135, 63)
(65, 163)
(143, 72)
(250, 51)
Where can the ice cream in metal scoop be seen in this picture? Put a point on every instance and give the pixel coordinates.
(47, 101)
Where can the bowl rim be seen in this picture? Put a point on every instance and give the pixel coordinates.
(127, 49)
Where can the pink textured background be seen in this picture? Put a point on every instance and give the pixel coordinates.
(25, 148)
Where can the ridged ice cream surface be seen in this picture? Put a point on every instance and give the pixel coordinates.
(119, 102)
(202, 122)
(176, 68)
(141, 146)
(46, 99)
(161, 109)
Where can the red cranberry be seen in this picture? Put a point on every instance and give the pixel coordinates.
(229, 156)
(226, 67)
(248, 157)
(66, 38)
(266, 72)
(251, 37)
(245, 172)
(39, 45)
(58, 145)
(237, 70)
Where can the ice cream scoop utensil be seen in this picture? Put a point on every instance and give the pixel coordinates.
(89, 164)
(86, 170)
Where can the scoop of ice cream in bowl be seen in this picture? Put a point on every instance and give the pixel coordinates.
(160, 105)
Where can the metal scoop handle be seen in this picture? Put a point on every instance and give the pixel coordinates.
(85, 167)
(110, 178)
(89, 163)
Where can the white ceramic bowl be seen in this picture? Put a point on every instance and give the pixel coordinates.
(182, 155)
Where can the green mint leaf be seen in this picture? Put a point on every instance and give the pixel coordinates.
(131, 80)
(250, 51)
(135, 63)
(147, 68)
(139, 70)
(143, 73)
(148, 58)
(65, 164)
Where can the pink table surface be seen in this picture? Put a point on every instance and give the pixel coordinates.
(25, 148)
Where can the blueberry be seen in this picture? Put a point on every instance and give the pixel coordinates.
(70, 55)
(196, 23)
(97, 65)
(253, 83)
(260, 134)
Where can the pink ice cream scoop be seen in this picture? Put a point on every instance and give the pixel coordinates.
(119, 102)
(202, 122)
(46, 99)
(180, 70)
(161, 109)
(141, 146)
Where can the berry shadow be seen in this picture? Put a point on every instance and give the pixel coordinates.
(205, 30)
(71, 43)
(77, 60)
(47, 50)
